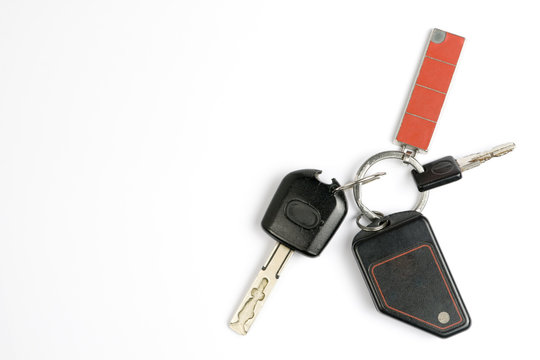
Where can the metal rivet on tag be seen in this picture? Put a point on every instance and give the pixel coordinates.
(443, 317)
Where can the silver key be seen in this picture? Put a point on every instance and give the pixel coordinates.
(447, 169)
(474, 160)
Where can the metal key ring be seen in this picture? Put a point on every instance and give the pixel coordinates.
(357, 190)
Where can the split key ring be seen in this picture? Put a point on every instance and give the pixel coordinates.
(357, 187)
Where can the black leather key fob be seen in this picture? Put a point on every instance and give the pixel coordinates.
(407, 275)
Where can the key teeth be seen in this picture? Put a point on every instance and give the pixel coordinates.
(474, 160)
(504, 149)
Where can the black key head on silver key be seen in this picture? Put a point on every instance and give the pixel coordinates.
(305, 213)
(407, 275)
(437, 173)
(447, 169)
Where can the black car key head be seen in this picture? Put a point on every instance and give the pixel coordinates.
(305, 213)
(437, 173)
(407, 275)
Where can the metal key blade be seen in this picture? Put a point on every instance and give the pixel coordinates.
(473, 160)
(259, 289)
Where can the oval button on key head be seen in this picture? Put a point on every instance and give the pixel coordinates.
(443, 167)
(302, 214)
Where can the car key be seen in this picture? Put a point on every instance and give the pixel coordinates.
(407, 275)
(303, 216)
(447, 169)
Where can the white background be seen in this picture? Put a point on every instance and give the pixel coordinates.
(141, 142)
